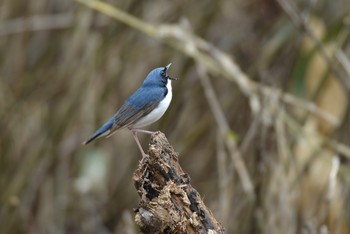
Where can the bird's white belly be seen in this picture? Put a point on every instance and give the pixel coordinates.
(158, 112)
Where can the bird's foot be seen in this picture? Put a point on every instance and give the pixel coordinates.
(143, 131)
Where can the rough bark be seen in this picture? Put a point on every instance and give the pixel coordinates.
(169, 203)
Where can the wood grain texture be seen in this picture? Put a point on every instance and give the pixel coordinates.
(169, 203)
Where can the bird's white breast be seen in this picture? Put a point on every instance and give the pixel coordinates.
(158, 112)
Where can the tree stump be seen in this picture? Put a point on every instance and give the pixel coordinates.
(169, 203)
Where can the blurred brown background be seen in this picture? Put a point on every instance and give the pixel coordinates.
(65, 68)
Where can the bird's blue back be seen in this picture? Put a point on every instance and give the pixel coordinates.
(153, 89)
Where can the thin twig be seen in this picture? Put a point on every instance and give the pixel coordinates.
(249, 136)
(343, 60)
(225, 132)
(282, 143)
(224, 181)
(332, 181)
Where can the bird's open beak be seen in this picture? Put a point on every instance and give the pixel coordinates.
(167, 67)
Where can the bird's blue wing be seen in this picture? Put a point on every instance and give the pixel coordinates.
(141, 103)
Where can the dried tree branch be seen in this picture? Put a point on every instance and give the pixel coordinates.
(169, 203)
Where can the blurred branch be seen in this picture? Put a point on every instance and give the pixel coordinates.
(334, 145)
(282, 143)
(331, 193)
(343, 60)
(251, 133)
(120, 15)
(224, 181)
(332, 181)
(338, 147)
(302, 104)
(226, 132)
(169, 203)
(291, 9)
(36, 23)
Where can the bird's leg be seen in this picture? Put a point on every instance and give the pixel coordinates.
(142, 130)
(144, 155)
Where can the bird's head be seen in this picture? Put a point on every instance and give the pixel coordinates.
(159, 76)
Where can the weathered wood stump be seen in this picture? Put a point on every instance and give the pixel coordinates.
(169, 203)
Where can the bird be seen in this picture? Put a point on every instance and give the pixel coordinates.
(144, 107)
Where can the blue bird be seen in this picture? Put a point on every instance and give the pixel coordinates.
(144, 107)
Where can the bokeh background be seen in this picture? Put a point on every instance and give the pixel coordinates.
(273, 159)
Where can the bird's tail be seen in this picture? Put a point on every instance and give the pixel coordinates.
(102, 131)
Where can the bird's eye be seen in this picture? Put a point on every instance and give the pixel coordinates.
(162, 73)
